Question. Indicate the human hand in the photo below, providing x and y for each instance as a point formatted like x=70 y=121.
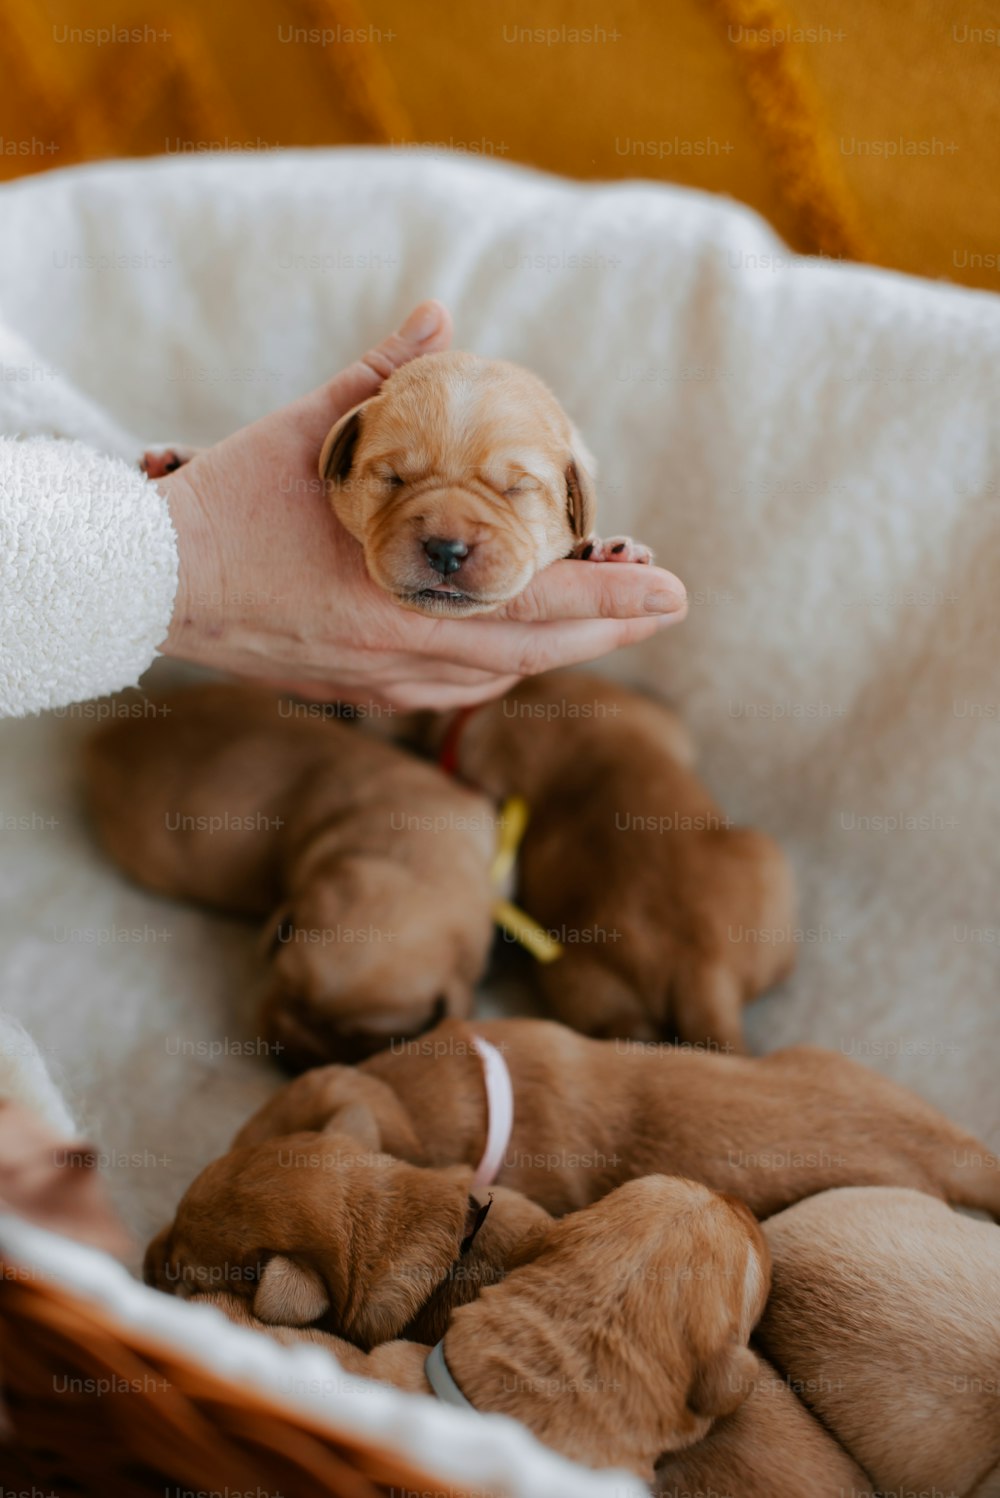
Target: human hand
x=55 y=1182
x=271 y=585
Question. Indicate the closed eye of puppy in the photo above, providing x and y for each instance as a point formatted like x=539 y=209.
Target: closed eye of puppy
x=462 y=478
x=620 y=1335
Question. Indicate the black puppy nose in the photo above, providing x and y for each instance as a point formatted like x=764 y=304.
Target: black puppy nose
x=445 y=556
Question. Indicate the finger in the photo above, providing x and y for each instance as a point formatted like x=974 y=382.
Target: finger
x=513 y=649
x=426 y=330
x=550 y=645
x=580 y=590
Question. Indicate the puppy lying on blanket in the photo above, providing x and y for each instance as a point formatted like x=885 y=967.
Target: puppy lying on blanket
x=361 y=1242
x=622 y=1334
x=372 y=868
x=671 y=918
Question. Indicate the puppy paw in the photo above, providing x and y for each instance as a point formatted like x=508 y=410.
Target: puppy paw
x=614 y=549
x=158 y=465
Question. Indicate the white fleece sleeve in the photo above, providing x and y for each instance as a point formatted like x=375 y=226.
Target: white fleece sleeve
x=88 y=573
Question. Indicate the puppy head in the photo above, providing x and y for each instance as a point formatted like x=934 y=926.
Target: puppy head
x=316 y=1229
x=630 y=1326
x=368 y=954
x=503 y=1228
x=461 y=478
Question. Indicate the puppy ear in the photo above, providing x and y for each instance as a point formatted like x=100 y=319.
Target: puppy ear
x=289 y=1294
x=581 y=498
x=358 y=1120
x=723 y=1381
x=322 y=1099
x=337 y=453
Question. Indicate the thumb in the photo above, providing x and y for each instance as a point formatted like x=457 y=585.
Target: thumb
x=426 y=331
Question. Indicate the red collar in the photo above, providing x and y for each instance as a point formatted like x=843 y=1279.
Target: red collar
x=448 y=756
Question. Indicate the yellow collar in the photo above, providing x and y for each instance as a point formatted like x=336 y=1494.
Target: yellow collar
x=516 y=922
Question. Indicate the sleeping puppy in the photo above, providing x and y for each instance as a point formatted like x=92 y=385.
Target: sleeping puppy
x=373 y=870
x=670 y=918
x=349 y=1232
x=621 y=1335
x=886 y=1313
x=319 y=1228
x=462 y=478
x=589 y=1115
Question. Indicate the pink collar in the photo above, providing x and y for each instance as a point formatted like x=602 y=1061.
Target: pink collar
x=499 y=1113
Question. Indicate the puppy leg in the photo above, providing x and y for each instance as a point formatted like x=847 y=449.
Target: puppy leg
x=614 y=549
x=156 y=465
x=707 y=1006
x=583 y=992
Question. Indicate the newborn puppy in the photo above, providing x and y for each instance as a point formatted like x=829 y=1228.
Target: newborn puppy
x=626 y=1335
x=372 y=868
x=462 y=478
x=670 y=918
x=587 y=1116
x=886 y=1314
x=623 y=1336
x=321 y=1229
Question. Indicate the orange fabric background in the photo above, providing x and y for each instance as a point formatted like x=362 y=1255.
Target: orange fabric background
x=870 y=135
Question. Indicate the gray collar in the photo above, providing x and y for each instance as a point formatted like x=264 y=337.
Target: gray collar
x=440 y=1379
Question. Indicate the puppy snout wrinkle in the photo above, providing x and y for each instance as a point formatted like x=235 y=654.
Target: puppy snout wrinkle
x=445 y=555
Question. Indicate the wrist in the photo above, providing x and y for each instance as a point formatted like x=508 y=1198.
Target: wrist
x=196 y=552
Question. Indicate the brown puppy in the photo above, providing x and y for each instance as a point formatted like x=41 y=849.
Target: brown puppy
x=588 y=1116
x=639 y=1308
x=623 y=1337
x=886 y=1314
x=670 y=918
x=315 y=1228
x=372 y=868
x=462 y=478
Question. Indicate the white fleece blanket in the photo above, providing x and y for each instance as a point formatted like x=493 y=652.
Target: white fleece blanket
x=811 y=446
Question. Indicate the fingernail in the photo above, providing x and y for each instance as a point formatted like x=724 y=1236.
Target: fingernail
x=663 y=602
x=422 y=323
